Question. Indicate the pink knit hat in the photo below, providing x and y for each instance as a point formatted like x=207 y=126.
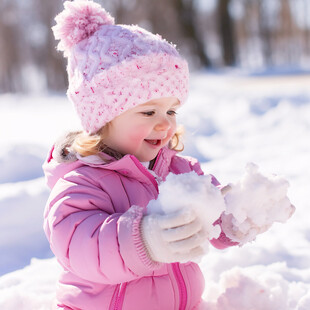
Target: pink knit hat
x=113 y=68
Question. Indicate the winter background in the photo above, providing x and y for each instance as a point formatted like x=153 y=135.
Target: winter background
x=260 y=114
x=231 y=118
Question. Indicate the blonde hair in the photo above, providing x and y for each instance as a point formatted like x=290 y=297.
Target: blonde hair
x=92 y=144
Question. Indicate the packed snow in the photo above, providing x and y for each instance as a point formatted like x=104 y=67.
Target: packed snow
x=254 y=203
x=242 y=221
x=230 y=119
x=191 y=191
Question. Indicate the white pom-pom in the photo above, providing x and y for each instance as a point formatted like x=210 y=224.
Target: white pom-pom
x=78 y=21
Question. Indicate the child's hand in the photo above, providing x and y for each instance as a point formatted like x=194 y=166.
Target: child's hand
x=254 y=204
x=174 y=237
x=191 y=191
x=242 y=233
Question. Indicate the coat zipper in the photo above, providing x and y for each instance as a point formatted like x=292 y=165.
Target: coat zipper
x=118 y=297
x=144 y=171
x=181 y=285
x=156 y=160
x=175 y=266
x=177 y=272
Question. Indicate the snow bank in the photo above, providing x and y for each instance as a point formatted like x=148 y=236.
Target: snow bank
x=22 y=236
x=259 y=288
x=228 y=123
x=31 y=288
x=191 y=191
x=21 y=162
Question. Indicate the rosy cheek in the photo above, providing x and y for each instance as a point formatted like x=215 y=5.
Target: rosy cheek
x=137 y=135
x=172 y=131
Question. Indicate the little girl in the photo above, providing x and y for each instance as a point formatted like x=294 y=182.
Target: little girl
x=126 y=85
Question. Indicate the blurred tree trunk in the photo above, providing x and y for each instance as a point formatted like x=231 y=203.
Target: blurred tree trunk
x=119 y=11
x=251 y=28
x=265 y=32
x=186 y=17
x=226 y=33
x=307 y=30
x=10 y=61
x=287 y=31
x=175 y=20
x=47 y=58
x=28 y=48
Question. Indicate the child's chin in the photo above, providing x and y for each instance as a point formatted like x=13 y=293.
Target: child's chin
x=146 y=158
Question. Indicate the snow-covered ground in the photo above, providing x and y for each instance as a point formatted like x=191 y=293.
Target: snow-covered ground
x=230 y=119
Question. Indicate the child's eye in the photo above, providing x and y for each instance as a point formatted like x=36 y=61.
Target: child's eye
x=172 y=112
x=148 y=113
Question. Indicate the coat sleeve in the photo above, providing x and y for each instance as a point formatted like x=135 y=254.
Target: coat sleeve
x=222 y=242
x=89 y=238
x=185 y=164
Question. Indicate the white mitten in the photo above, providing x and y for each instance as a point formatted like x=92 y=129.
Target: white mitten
x=190 y=191
x=242 y=232
x=174 y=237
x=253 y=204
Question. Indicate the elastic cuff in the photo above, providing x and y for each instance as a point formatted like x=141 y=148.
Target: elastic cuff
x=222 y=242
x=140 y=244
x=132 y=246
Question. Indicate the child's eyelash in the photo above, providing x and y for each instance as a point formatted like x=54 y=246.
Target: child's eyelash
x=150 y=113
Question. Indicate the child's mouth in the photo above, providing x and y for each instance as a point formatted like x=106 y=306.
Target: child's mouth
x=153 y=142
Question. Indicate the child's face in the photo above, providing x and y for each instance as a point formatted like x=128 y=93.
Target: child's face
x=142 y=131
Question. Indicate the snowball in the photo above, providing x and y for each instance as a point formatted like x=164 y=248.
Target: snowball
x=254 y=203
x=190 y=190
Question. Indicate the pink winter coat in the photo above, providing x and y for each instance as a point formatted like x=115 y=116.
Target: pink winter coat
x=92 y=221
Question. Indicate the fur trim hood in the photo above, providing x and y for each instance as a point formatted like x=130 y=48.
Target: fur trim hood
x=63 y=151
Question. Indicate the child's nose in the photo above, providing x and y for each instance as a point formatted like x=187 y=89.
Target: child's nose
x=162 y=124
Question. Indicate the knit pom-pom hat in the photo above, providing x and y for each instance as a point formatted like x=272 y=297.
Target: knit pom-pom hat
x=113 y=68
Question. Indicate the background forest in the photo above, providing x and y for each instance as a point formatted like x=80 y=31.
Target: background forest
x=252 y=34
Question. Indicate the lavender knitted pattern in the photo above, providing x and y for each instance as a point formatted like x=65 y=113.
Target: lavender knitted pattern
x=113 y=68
